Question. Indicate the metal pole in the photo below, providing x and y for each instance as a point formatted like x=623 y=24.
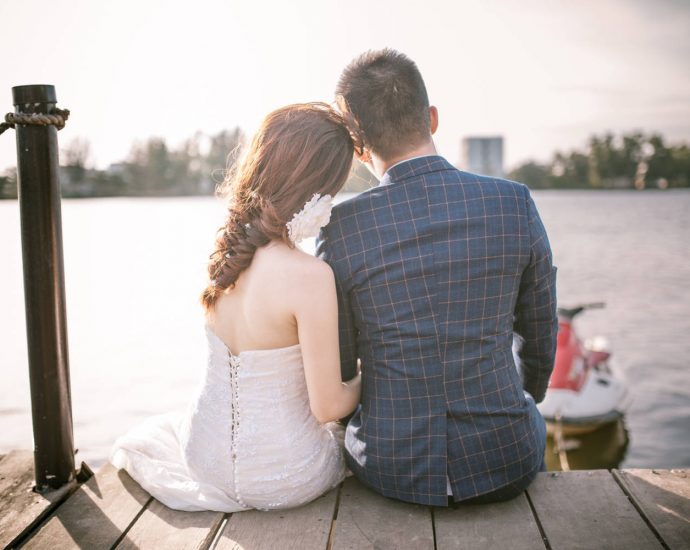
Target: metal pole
x=44 y=289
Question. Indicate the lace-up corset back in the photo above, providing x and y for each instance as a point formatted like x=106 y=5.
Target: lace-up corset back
x=251 y=431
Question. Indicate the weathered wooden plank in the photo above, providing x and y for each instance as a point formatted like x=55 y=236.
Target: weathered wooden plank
x=96 y=515
x=664 y=498
x=508 y=524
x=20 y=508
x=587 y=509
x=368 y=520
x=303 y=528
x=162 y=527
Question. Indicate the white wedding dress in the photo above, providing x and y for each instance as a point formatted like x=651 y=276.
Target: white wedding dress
x=248 y=439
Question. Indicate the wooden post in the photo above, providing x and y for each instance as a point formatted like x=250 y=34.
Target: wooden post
x=44 y=289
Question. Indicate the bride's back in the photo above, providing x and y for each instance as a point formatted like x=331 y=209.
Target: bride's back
x=258 y=313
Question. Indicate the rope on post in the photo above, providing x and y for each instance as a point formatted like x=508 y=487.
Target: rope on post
x=56 y=119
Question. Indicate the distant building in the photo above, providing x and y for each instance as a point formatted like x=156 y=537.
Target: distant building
x=482 y=155
x=118 y=168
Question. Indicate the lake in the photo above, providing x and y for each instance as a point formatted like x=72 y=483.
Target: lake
x=135 y=268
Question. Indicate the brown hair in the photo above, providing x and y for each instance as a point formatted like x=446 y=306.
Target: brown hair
x=298 y=151
x=384 y=92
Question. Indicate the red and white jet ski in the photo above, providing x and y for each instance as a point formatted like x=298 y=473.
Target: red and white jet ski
x=583 y=393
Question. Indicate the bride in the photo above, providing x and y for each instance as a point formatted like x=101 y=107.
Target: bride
x=258 y=433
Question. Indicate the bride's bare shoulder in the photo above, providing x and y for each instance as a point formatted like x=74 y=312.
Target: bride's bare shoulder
x=296 y=268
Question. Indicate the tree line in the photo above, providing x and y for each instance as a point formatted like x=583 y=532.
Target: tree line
x=632 y=160
x=153 y=168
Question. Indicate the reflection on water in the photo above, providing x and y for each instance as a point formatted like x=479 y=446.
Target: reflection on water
x=604 y=447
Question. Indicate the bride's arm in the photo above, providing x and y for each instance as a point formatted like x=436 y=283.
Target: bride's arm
x=316 y=312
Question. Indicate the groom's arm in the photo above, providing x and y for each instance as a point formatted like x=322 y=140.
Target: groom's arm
x=346 y=327
x=536 y=320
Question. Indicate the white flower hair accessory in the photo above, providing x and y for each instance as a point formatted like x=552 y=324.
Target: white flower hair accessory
x=313 y=216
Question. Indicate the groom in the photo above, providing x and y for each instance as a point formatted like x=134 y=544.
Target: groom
x=436 y=269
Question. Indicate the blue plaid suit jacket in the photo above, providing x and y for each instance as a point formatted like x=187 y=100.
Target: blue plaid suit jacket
x=435 y=270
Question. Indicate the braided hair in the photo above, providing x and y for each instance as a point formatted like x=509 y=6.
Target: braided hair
x=298 y=151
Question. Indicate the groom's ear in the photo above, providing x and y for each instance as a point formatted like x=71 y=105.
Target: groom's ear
x=433 y=119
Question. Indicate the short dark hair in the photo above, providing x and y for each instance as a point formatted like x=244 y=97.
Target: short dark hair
x=385 y=93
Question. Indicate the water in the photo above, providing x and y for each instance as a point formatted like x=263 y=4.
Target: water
x=135 y=267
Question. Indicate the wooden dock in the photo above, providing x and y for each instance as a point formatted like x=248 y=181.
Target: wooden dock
x=597 y=509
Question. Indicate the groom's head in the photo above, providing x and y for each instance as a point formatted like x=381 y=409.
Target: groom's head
x=385 y=94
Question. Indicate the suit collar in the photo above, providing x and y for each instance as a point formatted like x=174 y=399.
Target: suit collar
x=415 y=167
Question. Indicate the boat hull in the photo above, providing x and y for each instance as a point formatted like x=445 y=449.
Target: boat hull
x=601 y=400
x=578 y=426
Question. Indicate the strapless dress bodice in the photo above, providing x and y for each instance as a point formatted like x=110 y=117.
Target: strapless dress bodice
x=247 y=440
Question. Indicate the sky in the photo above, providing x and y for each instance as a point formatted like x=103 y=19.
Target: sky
x=545 y=74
